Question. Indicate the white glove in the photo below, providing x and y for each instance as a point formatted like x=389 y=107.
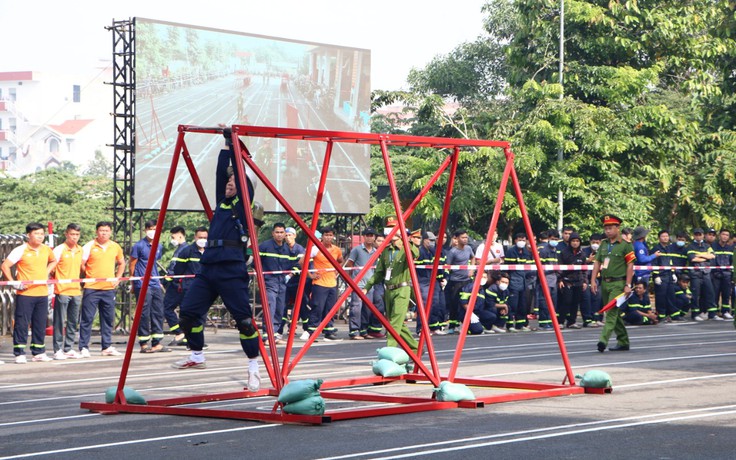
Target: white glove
x=474 y=318
x=657 y=280
x=674 y=278
x=443 y=283
x=287 y=278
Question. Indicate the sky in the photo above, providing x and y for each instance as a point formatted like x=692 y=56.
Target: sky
x=401 y=34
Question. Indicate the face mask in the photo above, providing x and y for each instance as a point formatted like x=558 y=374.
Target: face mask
x=174 y=242
x=698 y=240
x=484 y=281
x=432 y=246
x=150 y=234
x=201 y=243
x=521 y=244
x=681 y=243
x=503 y=286
x=553 y=243
x=595 y=246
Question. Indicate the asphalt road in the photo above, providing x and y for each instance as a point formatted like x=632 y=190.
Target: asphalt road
x=672 y=398
x=264 y=103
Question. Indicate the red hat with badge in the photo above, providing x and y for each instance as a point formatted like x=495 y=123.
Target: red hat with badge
x=610 y=219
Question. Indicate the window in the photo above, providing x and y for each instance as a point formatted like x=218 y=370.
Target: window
x=53 y=145
x=11 y=94
x=2 y=156
x=77 y=93
x=12 y=124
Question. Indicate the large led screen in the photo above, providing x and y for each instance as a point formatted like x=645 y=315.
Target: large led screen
x=197 y=76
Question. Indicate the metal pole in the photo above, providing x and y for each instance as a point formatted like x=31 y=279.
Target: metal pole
x=560 y=198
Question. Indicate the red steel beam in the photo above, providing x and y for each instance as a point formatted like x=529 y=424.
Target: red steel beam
x=540 y=271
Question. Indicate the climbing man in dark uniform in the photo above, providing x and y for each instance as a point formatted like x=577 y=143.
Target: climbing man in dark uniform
x=615 y=262
x=224 y=272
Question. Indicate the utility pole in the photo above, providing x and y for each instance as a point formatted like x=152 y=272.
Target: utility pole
x=560 y=198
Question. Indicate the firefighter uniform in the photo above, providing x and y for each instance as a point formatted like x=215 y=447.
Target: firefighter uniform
x=224 y=270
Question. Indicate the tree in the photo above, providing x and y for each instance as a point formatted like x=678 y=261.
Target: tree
x=637 y=118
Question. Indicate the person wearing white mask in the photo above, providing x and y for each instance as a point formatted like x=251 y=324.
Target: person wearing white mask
x=700 y=254
x=188 y=267
x=548 y=255
x=151 y=326
x=495 y=313
x=591 y=302
x=519 y=282
x=173 y=286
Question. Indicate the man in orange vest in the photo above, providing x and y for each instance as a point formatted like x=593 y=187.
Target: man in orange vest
x=34 y=261
x=68 y=295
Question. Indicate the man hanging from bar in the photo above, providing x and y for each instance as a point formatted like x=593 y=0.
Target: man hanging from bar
x=224 y=271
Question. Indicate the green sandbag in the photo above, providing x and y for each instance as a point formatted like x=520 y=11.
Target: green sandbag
x=310 y=406
x=299 y=389
x=131 y=396
x=388 y=368
x=394 y=354
x=595 y=379
x=449 y=391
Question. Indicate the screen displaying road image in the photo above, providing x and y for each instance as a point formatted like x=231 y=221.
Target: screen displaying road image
x=196 y=76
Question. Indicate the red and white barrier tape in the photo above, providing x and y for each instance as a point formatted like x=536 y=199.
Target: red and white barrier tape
x=505 y=267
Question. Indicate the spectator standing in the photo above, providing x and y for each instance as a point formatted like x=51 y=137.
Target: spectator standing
x=324 y=285
x=700 y=254
x=722 y=285
x=360 y=314
x=101 y=258
x=591 y=303
x=519 y=282
x=68 y=294
x=33 y=261
x=461 y=254
x=427 y=252
x=174 y=292
x=572 y=282
x=495 y=254
x=151 y=325
x=188 y=267
x=549 y=255
x=275 y=260
x=664 y=279
x=642 y=254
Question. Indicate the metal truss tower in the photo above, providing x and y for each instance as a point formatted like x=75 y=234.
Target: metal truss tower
x=123 y=52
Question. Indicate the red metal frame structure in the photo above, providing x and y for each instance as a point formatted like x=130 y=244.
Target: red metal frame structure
x=278 y=368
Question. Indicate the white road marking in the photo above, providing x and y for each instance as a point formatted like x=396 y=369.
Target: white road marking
x=138 y=441
x=636 y=420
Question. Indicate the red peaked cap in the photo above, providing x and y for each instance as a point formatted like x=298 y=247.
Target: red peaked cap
x=610 y=219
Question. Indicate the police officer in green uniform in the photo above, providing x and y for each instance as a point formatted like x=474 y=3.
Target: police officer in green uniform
x=393 y=270
x=615 y=262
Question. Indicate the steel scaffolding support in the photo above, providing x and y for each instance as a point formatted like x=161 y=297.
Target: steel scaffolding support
x=279 y=368
x=123 y=84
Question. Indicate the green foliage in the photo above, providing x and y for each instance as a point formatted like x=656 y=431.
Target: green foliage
x=644 y=118
x=55 y=195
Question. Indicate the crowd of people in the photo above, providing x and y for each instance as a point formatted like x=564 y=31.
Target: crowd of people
x=691 y=278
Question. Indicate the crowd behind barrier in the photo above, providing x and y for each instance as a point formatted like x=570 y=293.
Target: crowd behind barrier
x=707 y=293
